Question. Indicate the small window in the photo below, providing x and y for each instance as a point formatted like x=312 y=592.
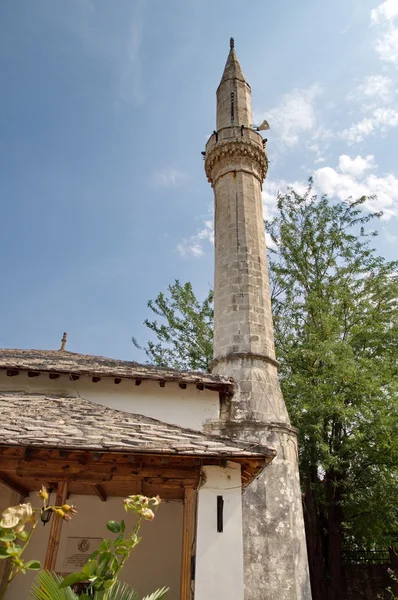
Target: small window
x=232 y=106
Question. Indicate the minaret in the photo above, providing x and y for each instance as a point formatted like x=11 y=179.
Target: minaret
x=236 y=164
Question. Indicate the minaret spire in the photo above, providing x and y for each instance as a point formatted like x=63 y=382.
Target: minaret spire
x=236 y=165
x=233 y=94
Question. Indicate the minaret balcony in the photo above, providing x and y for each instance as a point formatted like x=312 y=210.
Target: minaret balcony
x=235 y=148
x=234 y=131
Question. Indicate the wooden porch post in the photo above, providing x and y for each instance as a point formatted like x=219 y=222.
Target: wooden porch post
x=188 y=536
x=56 y=527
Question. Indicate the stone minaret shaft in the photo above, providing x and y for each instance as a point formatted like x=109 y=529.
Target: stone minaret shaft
x=236 y=165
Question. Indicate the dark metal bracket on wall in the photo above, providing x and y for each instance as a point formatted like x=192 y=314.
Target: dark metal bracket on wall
x=220 y=514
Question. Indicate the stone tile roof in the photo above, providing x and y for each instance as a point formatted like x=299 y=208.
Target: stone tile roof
x=73 y=423
x=62 y=361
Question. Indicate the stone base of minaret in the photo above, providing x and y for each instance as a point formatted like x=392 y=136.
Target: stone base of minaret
x=275 y=551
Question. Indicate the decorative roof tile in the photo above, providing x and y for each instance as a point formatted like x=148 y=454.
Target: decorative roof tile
x=62 y=361
x=73 y=423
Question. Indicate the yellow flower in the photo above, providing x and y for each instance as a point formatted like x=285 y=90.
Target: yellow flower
x=43 y=494
x=69 y=508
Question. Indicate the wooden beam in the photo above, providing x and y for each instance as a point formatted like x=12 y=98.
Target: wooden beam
x=99 y=490
x=117 y=380
x=96 y=379
x=74 y=377
x=200 y=386
x=12 y=372
x=54 y=375
x=183 y=386
x=162 y=383
x=96 y=472
x=138 y=381
x=33 y=373
x=188 y=536
x=56 y=527
x=15 y=486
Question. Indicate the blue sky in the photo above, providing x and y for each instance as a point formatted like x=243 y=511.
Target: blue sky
x=104 y=110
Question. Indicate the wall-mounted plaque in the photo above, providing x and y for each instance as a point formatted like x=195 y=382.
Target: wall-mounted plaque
x=77 y=553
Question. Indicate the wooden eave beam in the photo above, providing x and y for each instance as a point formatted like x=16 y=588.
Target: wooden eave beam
x=15 y=486
x=12 y=372
x=99 y=490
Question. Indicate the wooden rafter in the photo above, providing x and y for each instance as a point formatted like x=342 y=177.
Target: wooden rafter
x=16 y=486
x=99 y=490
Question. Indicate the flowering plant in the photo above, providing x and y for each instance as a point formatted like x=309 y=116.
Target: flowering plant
x=17 y=524
x=106 y=563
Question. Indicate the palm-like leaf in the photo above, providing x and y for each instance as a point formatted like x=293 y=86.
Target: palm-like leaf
x=46 y=587
x=157 y=595
x=122 y=591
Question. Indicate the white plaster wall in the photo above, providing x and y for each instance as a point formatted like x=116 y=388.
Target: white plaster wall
x=156 y=562
x=219 y=556
x=186 y=408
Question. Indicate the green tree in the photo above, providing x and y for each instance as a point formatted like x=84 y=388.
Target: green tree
x=336 y=328
x=184 y=337
x=336 y=331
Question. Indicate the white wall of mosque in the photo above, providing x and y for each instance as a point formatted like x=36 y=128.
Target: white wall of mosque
x=188 y=407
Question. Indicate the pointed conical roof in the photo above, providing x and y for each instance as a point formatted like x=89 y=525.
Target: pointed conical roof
x=232 y=70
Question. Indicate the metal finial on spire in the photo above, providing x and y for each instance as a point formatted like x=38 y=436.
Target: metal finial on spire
x=232 y=43
x=63 y=341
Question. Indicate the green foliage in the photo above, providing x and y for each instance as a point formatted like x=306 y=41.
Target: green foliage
x=17 y=524
x=335 y=305
x=185 y=334
x=47 y=587
x=105 y=564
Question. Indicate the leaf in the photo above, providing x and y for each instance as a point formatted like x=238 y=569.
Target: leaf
x=7 y=537
x=122 y=526
x=47 y=587
x=113 y=526
x=122 y=591
x=105 y=545
x=89 y=568
x=157 y=595
x=33 y=565
x=71 y=579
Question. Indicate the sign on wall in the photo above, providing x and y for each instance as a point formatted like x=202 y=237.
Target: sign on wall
x=77 y=553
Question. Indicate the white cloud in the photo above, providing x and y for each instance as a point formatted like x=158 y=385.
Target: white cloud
x=356 y=166
x=386 y=11
x=169 y=177
x=353 y=181
x=294 y=116
x=380 y=121
x=194 y=245
x=374 y=87
x=387 y=46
